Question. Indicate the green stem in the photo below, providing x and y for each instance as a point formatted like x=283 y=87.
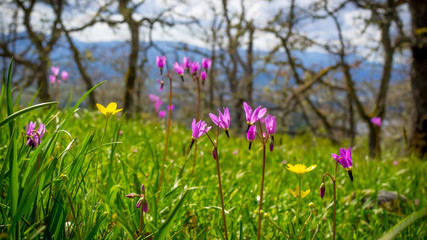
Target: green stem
x=99 y=153
x=141 y=221
x=299 y=198
x=262 y=191
x=167 y=138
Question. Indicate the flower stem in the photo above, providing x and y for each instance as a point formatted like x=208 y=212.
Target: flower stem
x=167 y=138
x=97 y=157
x=141 y=221
x=299 y=198
x=335 y=201
x=57 y=91
x=197 y=119
x=262 y=191
x=220 y=193
x=335 y=209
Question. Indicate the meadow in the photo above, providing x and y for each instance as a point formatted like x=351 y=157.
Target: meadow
x=73 y=185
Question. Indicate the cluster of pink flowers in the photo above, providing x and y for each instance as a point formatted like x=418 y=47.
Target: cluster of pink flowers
x=193 y=68
x=157 y=103
x=54 y=77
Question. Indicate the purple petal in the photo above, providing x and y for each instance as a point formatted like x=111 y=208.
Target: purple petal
x=336 y=157
x=262 y=112
x=248 y=111
x=214 y=118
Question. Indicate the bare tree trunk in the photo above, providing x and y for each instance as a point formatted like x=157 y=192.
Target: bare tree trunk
x=42 y=78
x=418 y=139
x=133 y=57
x=249 y=67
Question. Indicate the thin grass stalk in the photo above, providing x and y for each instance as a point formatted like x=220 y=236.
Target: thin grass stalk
x=302 y=229
x=262 y=191
x=167 y=138
x=74 y=214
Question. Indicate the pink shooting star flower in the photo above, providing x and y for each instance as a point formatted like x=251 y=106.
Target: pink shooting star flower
x=158 y=104
x=222 y=120
x=161 y=62
x=142 y=199
x=206 y=63
x=251 y=135
x=64 y=75
x=162 y=84
x=162 y=114
x=203 y=77
x=35 y=137
x=55 y=70
x=171 y=107
x=199 y=129
x=52 y=79
x=186 y=62
x=153 y=98
x=194 y=68
x=253 y=116
x=179 y=68
x=270 y=125
x=376 y=121
x=345 y=160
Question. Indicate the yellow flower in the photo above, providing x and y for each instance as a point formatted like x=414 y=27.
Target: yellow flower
x=300 y=168
x=110 y=110
x=299 y=194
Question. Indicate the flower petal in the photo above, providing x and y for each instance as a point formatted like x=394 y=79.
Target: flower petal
x=214 y=118
x=111 y=107
x=102 y=109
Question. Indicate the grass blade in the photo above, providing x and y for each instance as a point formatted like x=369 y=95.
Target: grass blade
x=25 y=110
x=404 y=223
x=164 y=229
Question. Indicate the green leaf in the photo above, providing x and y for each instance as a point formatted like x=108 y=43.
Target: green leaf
x=404 y=224
x=164 y=229
x=25 y=110
x=98 y=223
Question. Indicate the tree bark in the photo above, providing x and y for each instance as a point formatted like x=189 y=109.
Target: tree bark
x=418 y=139
x=133 y=57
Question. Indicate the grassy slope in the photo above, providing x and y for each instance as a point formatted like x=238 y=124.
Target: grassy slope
x=135 y=161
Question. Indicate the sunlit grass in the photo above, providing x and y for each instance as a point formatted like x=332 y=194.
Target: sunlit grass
x=47 y=196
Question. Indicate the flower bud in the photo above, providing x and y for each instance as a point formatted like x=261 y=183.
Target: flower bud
x=271 y=145
x=131 y=195
x=214 y=153
x=63 y=177
x=311 y=205
x=143 y=189
x=322 y=190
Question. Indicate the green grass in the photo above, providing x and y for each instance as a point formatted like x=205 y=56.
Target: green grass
x=38 y=203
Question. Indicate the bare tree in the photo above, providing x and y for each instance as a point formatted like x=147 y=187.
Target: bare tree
x=419 y=76
x=43 y=42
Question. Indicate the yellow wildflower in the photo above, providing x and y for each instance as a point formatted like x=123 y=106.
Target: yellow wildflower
x=299 y=194
x=110 y=110
x=300 y=168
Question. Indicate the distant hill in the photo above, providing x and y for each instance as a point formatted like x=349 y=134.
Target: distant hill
x=109 y=59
